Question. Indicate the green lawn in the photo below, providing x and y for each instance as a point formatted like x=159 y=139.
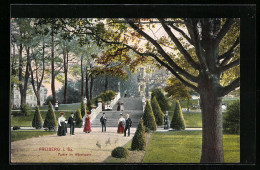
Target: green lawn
x=25 y=134
x=185 y=147
x=62 y=107
x=192 y=119
x=27 y=120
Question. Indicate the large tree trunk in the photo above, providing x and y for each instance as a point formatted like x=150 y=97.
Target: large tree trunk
x=20 y=74
x=52 y=69
x=87 y=79
x=65 y=58
x=26 y=77
x=39 y=82
x=212 y=144
x=91 y=86
x=82 y=78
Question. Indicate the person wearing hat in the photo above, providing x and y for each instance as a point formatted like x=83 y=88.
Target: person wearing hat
x=166 y=121
x=128 y=124
x=103 y=121
x=71 y=122
x=86 y=123
x=62 y=125
x=121 y=124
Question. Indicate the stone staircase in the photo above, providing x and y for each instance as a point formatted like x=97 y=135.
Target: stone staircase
x=132 y=106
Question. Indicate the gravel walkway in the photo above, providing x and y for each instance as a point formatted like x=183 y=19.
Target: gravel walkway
x=82 y=147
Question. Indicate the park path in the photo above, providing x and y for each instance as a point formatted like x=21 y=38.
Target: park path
x=79 y=148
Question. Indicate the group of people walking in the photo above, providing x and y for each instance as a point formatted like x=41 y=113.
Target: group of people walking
x=124 y=124
x=62 y=124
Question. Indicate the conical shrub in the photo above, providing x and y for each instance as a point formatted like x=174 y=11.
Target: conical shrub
x=82 y=108
x=158 y=114
x=139 y=141
x=148 y=117
x=37 y=119
x=78 y=118
x=50 y=121
x=178 y=122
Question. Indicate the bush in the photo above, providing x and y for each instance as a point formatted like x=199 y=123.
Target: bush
x=148 y=117
x=161 y=99
x=78 y=118
x=50 y=121
x=158 y=114
x=37 y=119
x=231 y=123
x=17 y=113
x=120 y=152
x=105 y=97
x=16 y=128
x=178 y=122
x=49 y=99
x=139 y=142
x=25 y=109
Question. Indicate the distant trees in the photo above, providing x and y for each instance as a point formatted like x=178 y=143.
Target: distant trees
x=231 y=123
x=162 y=100
x=177 y=90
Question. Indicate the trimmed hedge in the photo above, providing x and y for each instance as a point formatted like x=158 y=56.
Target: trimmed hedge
x=119 y=152
x=178 y=122
x=148 y=117
x=139 y=141
x=78 y=118
x=161 y=99
x=37 y=119
x=50 y=121
x=158 y=114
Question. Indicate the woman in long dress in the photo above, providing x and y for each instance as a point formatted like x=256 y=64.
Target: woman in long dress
x=118 y=106
x=121 y=124
x=62 y=129
x=86 y=123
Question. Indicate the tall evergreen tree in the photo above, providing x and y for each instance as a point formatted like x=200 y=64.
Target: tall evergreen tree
x=178 y=122
x=50 y=121
x=78 y=118
x=148 y=117
x=139 y=141
x=161 y=99
x=37 y=119
x=158 y=114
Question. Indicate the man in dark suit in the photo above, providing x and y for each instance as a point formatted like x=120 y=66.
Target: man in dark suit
x=128 y=124
x=71 y=122
x=103 y=121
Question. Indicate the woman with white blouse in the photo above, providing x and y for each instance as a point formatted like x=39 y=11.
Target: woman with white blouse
x=62 y=129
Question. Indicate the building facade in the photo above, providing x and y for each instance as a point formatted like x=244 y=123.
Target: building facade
x=31 y=99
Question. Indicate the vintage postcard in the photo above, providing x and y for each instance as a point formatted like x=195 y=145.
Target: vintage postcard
x=124 y=88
